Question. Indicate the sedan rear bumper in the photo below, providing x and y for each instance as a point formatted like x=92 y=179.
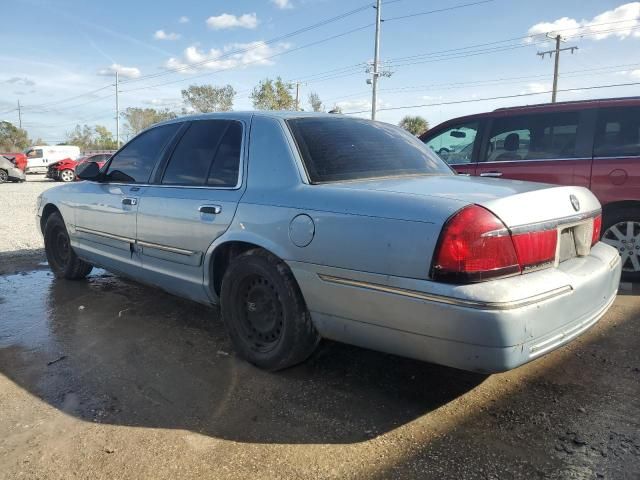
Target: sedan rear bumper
x=488 y=327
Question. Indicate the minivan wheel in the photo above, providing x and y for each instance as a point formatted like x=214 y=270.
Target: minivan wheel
x=264 y=312
x=4 y=176
x=62 y=259
x=621 y=230
x=67 y=175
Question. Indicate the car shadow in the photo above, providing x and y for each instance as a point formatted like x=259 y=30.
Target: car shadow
x=112 y=351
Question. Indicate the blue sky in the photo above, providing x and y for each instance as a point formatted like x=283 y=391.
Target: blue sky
x=59 y=49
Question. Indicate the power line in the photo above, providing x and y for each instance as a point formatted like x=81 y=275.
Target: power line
x=502 y=97
x=439 y=10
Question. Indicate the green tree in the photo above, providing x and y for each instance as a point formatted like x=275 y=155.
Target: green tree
x=86 y=137
x=137 y=119
x=12 y=137
x=416 y=125
x=315 y=102
x=209 y=98
x=104 y=139
x=273 y=95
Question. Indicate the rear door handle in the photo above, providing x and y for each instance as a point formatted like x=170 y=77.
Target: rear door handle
x=491 y=174
x=129 y=201
x=210 y=209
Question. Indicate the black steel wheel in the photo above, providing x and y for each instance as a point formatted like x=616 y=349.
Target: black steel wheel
x=264 y=312
x=62 y=259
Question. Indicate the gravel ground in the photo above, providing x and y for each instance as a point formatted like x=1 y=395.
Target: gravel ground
x=18 y=233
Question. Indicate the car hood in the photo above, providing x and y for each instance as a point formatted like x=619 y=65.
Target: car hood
x=515 y=202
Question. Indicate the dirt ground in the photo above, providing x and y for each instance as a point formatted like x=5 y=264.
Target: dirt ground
x=106 y=378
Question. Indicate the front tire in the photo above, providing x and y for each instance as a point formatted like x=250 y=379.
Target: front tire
x=265 y=313
x=62 y=259
x=4 y=176
x=621 y=230
x=67 y=175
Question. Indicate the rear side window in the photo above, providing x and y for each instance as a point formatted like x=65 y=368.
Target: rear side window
x=533 y=137
x=207 y=154
x=134 y=163
x=617 y=133
x=455 y=144
x=34 y=153
x=338 y=148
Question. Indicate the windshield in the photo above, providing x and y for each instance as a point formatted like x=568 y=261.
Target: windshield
x=339 y=148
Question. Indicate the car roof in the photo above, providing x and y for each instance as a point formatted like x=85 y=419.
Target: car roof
x=248 y=114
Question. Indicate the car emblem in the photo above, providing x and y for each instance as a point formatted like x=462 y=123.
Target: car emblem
x=575 y=202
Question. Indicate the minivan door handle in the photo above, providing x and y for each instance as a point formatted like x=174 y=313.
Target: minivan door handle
x=129 y=201
x=491 y=174
x=210 y=209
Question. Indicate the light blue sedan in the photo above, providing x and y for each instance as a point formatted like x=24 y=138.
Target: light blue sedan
x=308 y=226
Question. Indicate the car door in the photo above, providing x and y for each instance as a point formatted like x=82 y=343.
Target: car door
x=456 y=145
x=541 y=147
x=105 y=212
x=192 y=202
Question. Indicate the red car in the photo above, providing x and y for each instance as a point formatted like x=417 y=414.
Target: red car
x=19 y=159
x=65 y=170
x=591 y=143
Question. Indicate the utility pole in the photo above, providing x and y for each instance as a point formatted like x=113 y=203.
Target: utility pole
x=117 y=113
x=19 y=115
x=556 y=66
x=297 y=96
x=376 y=63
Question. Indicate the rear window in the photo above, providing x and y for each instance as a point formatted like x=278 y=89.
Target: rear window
x=335 y=149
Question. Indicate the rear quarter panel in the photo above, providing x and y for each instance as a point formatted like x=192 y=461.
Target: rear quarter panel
x=616 y=179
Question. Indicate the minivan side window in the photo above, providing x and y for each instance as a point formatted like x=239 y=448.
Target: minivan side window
x=617 y=132
x=135 y=162
x=34 y=153
x=207 y=154
x=455 y=144
x=533 y=137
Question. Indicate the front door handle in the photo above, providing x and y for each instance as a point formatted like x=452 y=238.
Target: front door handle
x=491 y=174
x=210 y=209
x=129 y=201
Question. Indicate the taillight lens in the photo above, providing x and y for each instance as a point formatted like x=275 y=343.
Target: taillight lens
x=474 y=245
x=597 y=230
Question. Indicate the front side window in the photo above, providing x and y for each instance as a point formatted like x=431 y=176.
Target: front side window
x=617 y=132
x=135 y=162
x=207 y=154
x=337 y=148
x=533 y=137
x=34 y=153
x=455 y=144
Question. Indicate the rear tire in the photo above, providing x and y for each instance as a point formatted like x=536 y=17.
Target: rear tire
x=67 y=175
x=265 y=313
x=621 y=230
x=4 y=176
x=62 y=259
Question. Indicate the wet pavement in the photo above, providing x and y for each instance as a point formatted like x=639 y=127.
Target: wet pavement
x=106 y=378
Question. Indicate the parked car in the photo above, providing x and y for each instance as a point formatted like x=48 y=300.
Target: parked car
x=306 y=226
x=18 y=159
x=65 y=170
x=591 y=143
x=9 y=172
x=39 y=157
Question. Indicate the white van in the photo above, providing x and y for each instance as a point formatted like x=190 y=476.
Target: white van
x=39 y=157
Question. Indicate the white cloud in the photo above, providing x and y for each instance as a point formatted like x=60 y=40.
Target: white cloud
x=282 y=4
x=125 y=72
x=361 y=104
x=253 y=53
x=162 y=35
x=226 y=20
x=633 y=73
x=536 y=87
x=163 y=102
x=21 y=81
x=618 y=22
x=183 y=19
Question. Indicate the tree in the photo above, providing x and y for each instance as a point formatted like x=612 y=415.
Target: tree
x=315 y=102
x=137 y=119
x=12 y=137
x=273 y=95
x=91 y=138
x=415 y=125
x=209 y=98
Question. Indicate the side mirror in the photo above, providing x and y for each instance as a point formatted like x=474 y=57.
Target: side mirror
x=458 y=134
x=88 y=171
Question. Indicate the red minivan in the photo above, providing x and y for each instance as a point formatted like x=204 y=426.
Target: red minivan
x=591 y=143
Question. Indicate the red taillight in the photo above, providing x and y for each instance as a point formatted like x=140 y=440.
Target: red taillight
x=474 y=245
x=535 y=248
x=597 y=230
